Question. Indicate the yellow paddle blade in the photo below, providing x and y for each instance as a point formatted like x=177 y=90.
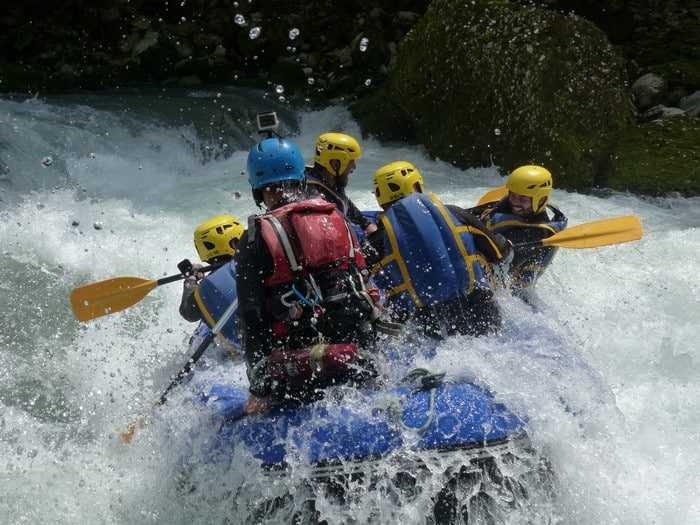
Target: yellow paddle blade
x=598 y=233
x=493 y=195
x=109 y=296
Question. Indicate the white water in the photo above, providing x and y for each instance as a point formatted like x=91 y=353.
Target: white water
x=130 y=177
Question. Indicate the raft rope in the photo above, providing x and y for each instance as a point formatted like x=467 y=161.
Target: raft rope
x=428 y=380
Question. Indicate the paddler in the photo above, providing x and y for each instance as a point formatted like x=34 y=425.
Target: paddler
x=305 y=312
x=335 y=156
x=215 y=241
x=432 y=260
x=525 y=215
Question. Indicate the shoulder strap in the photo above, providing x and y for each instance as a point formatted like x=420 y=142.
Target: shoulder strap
x=286 y=244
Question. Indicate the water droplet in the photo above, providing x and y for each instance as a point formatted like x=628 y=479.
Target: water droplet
x=311 y=81
x=368 y=82
x=497 y=132
x=239 y=19
x=293 y=33
x=47 y=161
x=364 y=43
x=279 y=89
x=254 y=33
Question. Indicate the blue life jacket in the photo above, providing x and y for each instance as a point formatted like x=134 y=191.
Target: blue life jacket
x=527 y=264
x=214 y=294
x=340 y=199
x=429 y=256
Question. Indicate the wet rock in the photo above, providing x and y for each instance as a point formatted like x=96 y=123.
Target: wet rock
x=649 y=90
x=691 y=104
x=551 y=84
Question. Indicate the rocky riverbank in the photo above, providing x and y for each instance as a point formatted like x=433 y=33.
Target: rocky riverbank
x=605 y=93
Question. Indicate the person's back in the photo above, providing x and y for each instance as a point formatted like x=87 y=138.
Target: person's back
x=523 y=216
x=426 y=259
x=300 y=283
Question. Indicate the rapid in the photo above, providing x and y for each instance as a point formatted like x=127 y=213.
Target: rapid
x=94 y=186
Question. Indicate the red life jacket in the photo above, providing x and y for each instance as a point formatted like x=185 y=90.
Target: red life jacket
x=315 y=253
x=305 y=238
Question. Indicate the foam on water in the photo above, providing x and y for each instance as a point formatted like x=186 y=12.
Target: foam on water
x=122 y=196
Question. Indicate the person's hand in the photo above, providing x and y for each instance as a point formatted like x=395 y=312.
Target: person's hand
x=256 y=405
x=195 y=273
x=370 y=229
x=508 y=256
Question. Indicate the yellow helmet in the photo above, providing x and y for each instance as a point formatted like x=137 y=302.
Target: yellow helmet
x=532 y=181
x=212 y=238
x=336 y=146
x=396 y=180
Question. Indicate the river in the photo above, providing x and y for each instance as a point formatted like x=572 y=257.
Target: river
x=94 y=186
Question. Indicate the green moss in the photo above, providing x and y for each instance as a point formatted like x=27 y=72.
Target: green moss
x=493 y=82
x=659 y=158
x=673 y=55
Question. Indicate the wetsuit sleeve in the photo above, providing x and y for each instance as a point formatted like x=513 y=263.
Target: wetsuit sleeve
x=355 y=216
x=189 y=309
x=494 y=247
x=479 y=211
x=485 y=210
x=373 y=246
x=253 y=322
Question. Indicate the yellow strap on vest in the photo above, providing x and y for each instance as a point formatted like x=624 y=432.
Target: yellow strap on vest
x=456 y=230
x=212 y=322
x=406 y=286
x=316 y=357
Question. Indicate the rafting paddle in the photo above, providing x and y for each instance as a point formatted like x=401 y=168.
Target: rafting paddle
x=113 y=295
x=592 y=234
x=185 y=370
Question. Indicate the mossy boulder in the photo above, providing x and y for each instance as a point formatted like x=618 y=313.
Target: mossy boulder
x=494 y=82
x=659 y=158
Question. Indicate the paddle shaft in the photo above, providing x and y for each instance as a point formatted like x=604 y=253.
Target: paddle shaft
x=228 y=313
x=180 y=276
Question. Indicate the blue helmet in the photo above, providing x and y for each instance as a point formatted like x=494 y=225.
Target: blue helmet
x=274 y=160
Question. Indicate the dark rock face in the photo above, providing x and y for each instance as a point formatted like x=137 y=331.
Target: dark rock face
x=498 y=83
x=478 y=82
x=328 y=49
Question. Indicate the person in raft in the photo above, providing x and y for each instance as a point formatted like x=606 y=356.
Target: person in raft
x=305 y=313
x=205 y=298
x=215 y=241
x=334 y=160
x=523 y=216
x=432 y=260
